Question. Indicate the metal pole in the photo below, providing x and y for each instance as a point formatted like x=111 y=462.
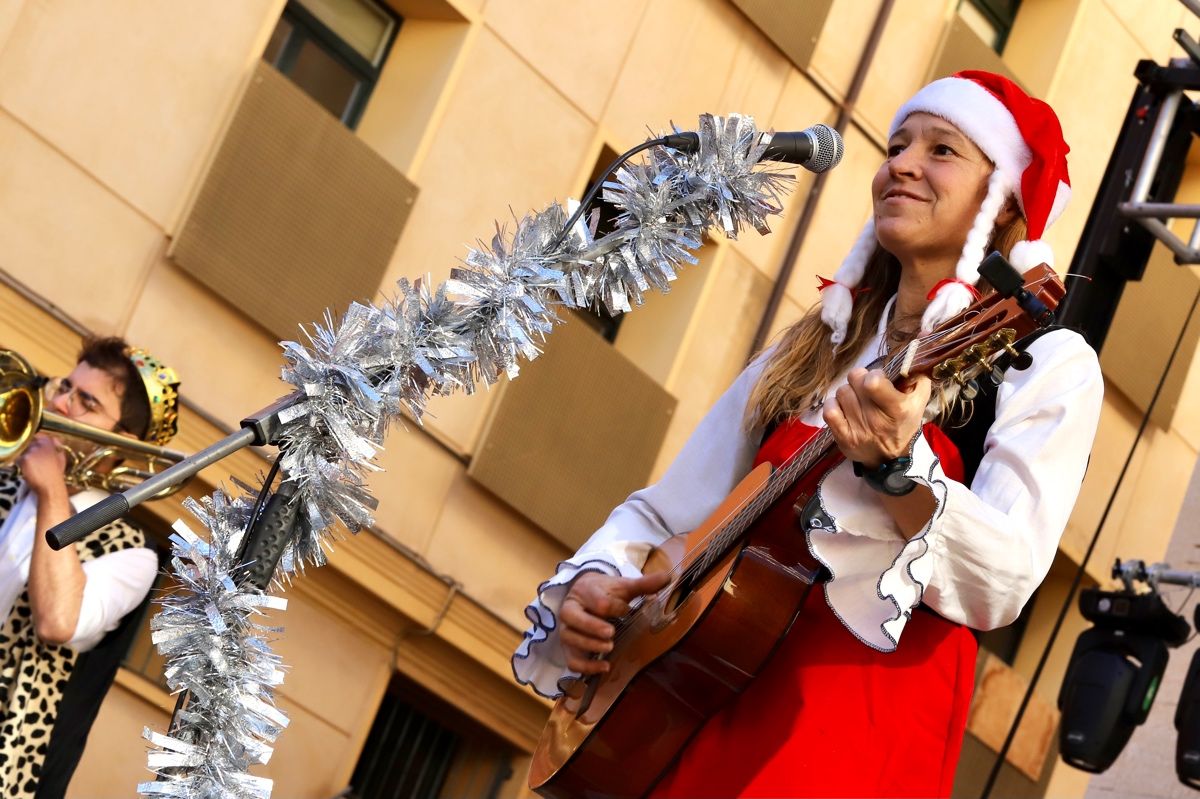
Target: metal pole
x=114 y=507
x=806 y=216
x=1154 y=151
x=261 y=427
x=1183 y=253
x=1160 y=210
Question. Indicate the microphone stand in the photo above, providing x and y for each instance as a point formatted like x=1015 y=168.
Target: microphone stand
x=818 y=148
x=261 y=428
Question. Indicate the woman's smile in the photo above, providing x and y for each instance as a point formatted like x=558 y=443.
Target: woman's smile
x=898 y=196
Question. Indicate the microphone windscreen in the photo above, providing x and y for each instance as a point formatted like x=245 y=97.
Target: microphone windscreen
x=829 y=150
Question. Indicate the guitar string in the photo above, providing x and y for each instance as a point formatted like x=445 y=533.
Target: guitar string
x=738 y=519
x=715 y=543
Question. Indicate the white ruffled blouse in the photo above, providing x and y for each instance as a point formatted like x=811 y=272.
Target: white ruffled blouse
x=977 y=561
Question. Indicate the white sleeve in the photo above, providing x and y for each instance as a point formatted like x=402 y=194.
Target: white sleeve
x=717 y=455
x=986 y=548
x=116 y=584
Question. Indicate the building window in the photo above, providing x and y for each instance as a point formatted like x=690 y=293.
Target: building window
x=421 y=748
x=991 y=19
x=333 y=50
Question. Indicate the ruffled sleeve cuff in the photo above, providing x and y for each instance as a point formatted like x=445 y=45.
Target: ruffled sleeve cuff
x=539 y=661
x=877 y=576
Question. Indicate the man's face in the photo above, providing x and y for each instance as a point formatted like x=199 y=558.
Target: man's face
x=87 y=395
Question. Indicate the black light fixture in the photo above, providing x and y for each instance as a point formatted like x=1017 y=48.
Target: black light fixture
x=1187 y=723
x=1114 y=674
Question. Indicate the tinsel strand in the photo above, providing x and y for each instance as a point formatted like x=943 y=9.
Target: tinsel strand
x=360 y=374
x=219 y=655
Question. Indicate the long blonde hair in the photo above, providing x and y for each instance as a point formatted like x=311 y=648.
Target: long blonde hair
x=804 y=363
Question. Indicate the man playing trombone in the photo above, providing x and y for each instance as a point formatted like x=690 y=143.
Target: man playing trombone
x=58 y=607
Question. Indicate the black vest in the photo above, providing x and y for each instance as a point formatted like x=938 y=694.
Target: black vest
x=970 y=434
x=86 y=688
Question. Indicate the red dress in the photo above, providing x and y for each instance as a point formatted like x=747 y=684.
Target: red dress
x=829 y=716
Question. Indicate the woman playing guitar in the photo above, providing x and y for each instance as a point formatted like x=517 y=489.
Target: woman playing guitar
x=927 y=530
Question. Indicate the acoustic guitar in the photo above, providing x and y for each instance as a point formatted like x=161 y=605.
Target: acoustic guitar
x=738 y=582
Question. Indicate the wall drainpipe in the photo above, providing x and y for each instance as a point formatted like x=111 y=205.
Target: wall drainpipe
x=845 y=110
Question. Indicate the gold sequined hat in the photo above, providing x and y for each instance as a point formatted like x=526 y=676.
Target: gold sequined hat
x=162 y=393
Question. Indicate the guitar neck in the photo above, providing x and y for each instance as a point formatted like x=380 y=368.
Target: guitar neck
x=959 y=349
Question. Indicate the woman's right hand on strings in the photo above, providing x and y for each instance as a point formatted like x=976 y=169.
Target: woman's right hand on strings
x=586 y=610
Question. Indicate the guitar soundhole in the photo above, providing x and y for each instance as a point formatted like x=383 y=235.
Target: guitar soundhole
x=681 y=593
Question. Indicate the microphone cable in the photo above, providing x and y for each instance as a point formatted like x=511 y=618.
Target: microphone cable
x=599 y=183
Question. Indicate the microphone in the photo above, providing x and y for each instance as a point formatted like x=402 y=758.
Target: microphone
x=817 y=149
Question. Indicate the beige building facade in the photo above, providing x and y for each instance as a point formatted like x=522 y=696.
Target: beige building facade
x=121 y=128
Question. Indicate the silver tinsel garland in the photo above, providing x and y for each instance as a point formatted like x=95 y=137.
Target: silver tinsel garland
x=359 y=375
x=218 y=654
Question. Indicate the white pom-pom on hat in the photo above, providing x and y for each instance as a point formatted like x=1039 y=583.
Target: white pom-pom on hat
x=837 y=295
x=1028 y=254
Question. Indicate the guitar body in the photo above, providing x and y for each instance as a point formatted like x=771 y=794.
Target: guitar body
x=675 y=666
x=738 y=582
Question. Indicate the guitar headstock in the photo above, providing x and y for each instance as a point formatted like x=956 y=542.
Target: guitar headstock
x=964 y=346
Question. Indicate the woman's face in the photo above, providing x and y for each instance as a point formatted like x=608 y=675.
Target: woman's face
x=927 y=193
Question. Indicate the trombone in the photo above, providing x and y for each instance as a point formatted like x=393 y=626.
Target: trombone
x=23 y=415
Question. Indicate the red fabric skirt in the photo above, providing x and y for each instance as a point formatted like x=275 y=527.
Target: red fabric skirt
x=829 y=716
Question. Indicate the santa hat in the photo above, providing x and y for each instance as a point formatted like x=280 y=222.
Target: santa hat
x=1023 y=138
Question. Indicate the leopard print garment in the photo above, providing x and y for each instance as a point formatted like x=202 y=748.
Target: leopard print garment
x=33 y=674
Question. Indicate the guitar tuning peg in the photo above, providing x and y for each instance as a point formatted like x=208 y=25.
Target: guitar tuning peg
x=970 y=390
x=1021 y=360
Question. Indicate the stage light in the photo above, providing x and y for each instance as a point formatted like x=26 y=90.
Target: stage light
x=1187 y=722
x=1114 y=674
